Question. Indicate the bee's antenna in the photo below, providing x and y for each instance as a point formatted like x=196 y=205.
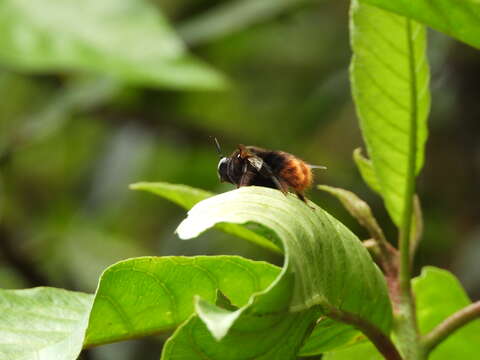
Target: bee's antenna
x=217 y=145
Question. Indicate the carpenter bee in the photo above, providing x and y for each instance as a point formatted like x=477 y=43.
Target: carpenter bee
x=252 y=165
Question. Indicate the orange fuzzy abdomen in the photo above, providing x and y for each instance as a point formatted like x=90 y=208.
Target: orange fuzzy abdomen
x=297 y=174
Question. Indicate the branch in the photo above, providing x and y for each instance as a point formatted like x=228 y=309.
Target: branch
x=417 y=228
x=407 y=329
x=381 y=341
x=451 y=324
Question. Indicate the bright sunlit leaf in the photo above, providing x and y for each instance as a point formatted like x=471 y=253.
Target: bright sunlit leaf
x=42 y=323
x=457 y=18
x=390 y=82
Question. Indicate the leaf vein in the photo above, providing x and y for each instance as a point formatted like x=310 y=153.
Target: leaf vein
x=383 y=91
x=119 y=310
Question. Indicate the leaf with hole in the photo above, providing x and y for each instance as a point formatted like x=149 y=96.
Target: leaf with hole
x=326 y=270
x=146 y=296
x=135 y=298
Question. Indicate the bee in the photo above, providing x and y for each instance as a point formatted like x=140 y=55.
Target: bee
x=252 y=165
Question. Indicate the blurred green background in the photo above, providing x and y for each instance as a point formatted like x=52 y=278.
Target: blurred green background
x=74 y=133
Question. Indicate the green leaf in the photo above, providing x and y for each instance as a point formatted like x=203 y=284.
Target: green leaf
x=358 y=208
x=390 y=83
x=186 y=197
x=269 y=337
x=146 y=296
x=328 y=335
x=42 y=323
x=326 y=270
x=457 y=18
x=364 y=351
x=366 y=170
x=127 y=39
x=182 y=195
x=439 y=294
x=136 y=297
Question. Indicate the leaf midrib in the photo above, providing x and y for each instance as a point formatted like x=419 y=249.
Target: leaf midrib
x=412 y=147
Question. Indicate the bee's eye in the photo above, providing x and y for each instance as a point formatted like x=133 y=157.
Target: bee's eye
x=222 y=169
x=222 y=164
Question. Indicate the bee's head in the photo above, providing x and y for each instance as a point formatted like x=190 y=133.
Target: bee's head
x=222 y=169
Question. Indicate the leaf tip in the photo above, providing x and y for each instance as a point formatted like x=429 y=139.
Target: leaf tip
x=189 y=229
x=137 y=186
x=217 y=320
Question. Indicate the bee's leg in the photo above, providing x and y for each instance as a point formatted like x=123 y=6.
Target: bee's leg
x=279 y=184
x=302 y=197
x=247 y=177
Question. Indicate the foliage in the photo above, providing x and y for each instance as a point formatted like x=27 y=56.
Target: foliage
x=438 y=295
x=455 y=18
x=330 y=296
x=111 y=37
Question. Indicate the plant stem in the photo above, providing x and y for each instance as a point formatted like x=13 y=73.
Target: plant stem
x=407 y=327
x=451 y=324
x=381 y=341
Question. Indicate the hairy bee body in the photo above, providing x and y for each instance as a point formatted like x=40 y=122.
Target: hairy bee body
x=252 y=165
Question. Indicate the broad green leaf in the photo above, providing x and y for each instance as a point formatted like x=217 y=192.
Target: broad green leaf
x=146 y=296
x=136 y=297
x=42 y=323
x=127 y=39
x=186 y=197
x=439 y=294
x=390 y=80
x=326 y=270
x=457 y=18
x=366 y=170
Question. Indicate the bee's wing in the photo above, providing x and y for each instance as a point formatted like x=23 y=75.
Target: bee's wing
x=317 y=167
x=267 y=171
x=256 y=162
